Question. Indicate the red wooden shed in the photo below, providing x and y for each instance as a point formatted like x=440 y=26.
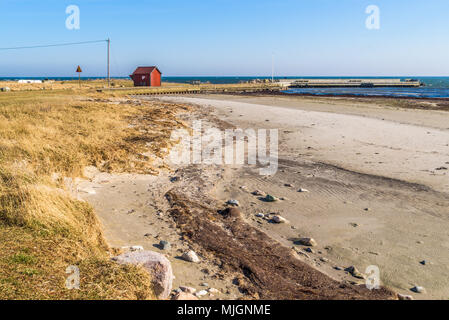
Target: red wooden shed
x=147 y=77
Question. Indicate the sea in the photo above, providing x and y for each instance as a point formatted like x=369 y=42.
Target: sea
x=434 y=87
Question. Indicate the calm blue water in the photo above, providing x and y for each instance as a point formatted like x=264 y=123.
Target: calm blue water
x=435 y=87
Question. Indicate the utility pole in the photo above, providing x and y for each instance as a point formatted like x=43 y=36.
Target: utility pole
x=109 y=54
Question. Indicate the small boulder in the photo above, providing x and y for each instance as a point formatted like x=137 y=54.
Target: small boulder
x=157 y=265
x=5 y=89
x=190 y=256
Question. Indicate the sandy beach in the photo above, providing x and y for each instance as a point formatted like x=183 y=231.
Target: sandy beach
x=377 y=180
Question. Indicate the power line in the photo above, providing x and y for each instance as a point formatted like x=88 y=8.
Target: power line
x=54 y=45
x=108 y=41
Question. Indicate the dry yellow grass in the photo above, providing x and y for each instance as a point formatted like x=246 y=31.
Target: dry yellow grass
x=42 y=229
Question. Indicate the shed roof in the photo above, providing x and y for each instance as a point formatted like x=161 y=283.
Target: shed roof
x=146 y=70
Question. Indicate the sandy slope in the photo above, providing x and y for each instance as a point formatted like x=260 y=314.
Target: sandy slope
x=352 y=157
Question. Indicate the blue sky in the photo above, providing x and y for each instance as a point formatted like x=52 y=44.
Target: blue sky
x=228 y=37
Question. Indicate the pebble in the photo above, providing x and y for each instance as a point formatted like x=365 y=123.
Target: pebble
x=303 y=190
x=187 y=289
x=87 y=190
x=190 y=256
x=164 y=245
x=270 y=198
x=355 y=273
x=201 y=293
x=204 y=284
x=260 y=215
x=424 y=262
x=213 y=290
x=309 y=242
x=309 y=250
x=338 y=268
x=279 y=219
x=183 y=296
x=233 y=202
x=418 y=289
x=258 y=193
x=404 y=297
x=136 y=248
x=289 y=185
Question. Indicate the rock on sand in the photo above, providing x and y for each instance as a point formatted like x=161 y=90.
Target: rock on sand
x=309 y=242
x=190 y=256
x=184 y=296
x=279 y=219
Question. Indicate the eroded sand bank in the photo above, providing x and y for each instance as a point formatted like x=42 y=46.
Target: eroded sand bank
x=376 y=196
